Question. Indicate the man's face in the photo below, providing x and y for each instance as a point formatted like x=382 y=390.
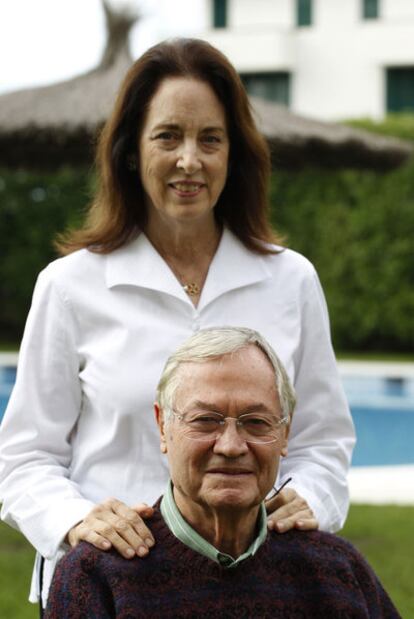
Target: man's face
x=228 y=471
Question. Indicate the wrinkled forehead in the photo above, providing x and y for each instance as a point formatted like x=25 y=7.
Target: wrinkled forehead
x=178 y=98
x=237 y=377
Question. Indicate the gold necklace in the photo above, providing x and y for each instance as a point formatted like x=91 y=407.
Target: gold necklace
x=192 y=289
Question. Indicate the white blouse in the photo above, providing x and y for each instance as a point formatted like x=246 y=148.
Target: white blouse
x=80 y=426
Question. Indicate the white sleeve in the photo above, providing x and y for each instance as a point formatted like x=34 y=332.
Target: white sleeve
x=38 y=497
x=322 y=433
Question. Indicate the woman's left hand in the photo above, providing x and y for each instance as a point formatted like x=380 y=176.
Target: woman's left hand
x=289 y=511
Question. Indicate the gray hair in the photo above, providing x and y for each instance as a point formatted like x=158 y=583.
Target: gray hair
x=216 y=342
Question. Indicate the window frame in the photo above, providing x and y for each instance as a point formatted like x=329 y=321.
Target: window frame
x=370 y=9
x=399 y=87
x=304 y=13
x=284 y=86
x=219 y=13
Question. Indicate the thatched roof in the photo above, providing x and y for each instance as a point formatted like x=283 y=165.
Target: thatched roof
x=297 y=141
x=57 y=124
x=52 y=125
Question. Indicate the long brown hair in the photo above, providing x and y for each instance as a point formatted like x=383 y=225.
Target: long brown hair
x=118 y=212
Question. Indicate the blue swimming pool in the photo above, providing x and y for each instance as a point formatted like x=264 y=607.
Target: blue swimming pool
x=7 y=378
x=382 y=409
x=383 y=413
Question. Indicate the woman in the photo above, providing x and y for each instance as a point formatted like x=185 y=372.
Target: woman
x=176 y=239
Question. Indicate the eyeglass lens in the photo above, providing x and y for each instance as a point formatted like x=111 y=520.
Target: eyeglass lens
x=252 y=428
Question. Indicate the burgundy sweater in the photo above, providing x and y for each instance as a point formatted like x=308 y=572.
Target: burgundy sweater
x=295 y=575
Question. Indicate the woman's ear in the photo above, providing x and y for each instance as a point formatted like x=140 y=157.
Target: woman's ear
x=159 y=417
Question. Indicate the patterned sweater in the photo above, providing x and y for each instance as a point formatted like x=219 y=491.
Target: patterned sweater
x=295 y=575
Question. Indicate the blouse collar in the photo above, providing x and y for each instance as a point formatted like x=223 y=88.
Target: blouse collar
x=139 y=264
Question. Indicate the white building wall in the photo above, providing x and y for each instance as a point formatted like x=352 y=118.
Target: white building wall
x=337 y=13
x=251 y=52
x=251 y=13
x=330 y=81
x=338 y=64
x=398 y=10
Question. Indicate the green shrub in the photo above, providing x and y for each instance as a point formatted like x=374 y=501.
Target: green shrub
x=33 y=207
x=357 y=228
x=395 y=125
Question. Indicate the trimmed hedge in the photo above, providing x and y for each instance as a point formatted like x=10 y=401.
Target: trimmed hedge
x=33 y=208
x=395 y=125
x=356 y=227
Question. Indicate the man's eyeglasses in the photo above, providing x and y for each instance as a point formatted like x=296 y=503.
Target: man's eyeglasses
x=252 y=427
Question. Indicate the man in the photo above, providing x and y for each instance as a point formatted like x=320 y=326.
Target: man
x=224 y=407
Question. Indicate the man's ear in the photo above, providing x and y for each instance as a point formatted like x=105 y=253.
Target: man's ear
x=159 y=417
x=284 y=449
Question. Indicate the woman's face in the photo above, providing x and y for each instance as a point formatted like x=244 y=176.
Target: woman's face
x=183 y=152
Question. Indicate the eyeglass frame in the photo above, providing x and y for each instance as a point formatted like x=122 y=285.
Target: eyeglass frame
x=281 y=421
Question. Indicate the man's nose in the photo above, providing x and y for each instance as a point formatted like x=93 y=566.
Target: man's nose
x=230 y=442
x=189 y=157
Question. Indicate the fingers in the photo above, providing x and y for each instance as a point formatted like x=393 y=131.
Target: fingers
x=82 y=532
x=114 y=524
x=300 y=521
x=131 y=520
x=290 y=511
x=283 y=498
x=144 y=510
x=307 y=524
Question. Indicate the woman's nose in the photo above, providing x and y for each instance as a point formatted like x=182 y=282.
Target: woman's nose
x=188 y=158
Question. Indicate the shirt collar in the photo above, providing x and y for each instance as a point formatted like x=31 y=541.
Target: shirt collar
x=188 y=536
x=139 y=264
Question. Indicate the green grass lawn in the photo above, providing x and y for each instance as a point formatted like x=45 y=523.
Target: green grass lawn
x=384 y=535
x=16 y=561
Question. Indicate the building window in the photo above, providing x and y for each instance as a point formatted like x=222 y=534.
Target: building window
x=370 y=9
x=400 y=89
x=304 y=12
x=219 y=13
x=273 y=86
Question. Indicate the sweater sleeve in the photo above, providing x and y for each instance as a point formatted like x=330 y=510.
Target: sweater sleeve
x=35 y=438
x=322 y=433
x=377 y=600
x=79 y=588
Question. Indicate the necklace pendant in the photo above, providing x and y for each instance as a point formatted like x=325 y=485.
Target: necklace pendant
x=191 y=289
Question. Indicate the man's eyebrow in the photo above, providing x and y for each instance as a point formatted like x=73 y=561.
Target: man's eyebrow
x=258 y=407
x=207 y=406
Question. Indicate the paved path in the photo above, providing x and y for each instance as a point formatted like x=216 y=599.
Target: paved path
x=8 y=358
x=391 y=369
x=380 y=485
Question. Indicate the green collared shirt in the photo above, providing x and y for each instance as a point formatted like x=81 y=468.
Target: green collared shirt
x=188 y=536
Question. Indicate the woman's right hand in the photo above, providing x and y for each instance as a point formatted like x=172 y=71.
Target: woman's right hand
x=114 y=524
